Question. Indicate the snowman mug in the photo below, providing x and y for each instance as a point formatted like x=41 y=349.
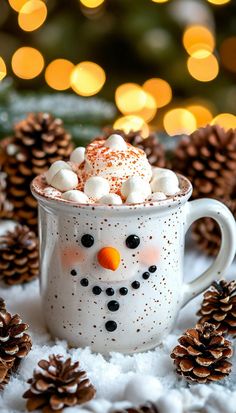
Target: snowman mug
x=112 y=276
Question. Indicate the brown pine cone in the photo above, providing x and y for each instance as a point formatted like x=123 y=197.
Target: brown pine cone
x=206 y=231
x=19 y=257
x=15 y=344
x=151 y=146
x=2 y=304
x=208 y=158
x=202 y=354
x=6 y=207
x=146 y=408
x=39 y=140
x=219 y=307
x=4 y=375
x=59 y=384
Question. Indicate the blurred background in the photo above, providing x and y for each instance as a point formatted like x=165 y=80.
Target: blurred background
x=165 y=65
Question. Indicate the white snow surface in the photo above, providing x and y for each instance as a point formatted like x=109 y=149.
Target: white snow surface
x=120 y=380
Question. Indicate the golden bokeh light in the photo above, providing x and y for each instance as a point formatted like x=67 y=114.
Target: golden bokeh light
x=87 y=78
x=198 y=41
x=91 y=3
x=3 y=69
x=132 y=123
x=17 y=4
x=130 y=98
x=32 y=15
x=219 y=2
x=205 y=69
x=160 y=1
x=160 y=90
x=202 y=114
x=225 y=120
x=58 y=73
x=228 y=53
x=27 y=63
x=179 y=121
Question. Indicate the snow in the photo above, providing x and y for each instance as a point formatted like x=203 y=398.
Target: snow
x=117 y=378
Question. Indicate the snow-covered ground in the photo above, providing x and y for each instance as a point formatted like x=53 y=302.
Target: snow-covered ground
x=120 y=380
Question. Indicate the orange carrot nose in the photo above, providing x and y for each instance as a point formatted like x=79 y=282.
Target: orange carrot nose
x=109 y=258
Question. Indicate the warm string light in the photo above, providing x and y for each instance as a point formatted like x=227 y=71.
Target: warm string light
x=32 y=15
x=205 y=69
x=219 y=2
x=3 y=69
x=87 y=78
x=92 y=3
x=198 y=41
x=132 y=123
x=27 y=63
x=179 y=121
x=225 y=120
x=130 y=98
x=160 y=1
x=160 y=90
x=58 y=73
x=201 y=113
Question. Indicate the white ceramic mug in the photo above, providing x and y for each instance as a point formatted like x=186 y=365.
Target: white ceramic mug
x=133 y=303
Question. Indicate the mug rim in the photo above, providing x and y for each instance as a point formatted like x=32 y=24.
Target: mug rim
x=172 y=201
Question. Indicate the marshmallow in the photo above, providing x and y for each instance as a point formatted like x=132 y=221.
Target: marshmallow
x=64 y=180
x=76 y=196
x=141 y=388
x=136 y=184
x=166 y=184
x=96 y=187
x=112 y=199
x=51 y=192
x=160 y=172
x=54 y=168
x=135 y=198
x=116 y=143
x=77 y=156
x=157 y=196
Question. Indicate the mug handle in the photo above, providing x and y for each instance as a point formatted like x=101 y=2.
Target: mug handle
x=221 y=214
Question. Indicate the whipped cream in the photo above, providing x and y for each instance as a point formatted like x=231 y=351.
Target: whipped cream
x=115 y=165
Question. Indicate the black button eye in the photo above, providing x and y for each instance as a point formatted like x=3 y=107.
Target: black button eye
x=87 y=240
x=132 y=241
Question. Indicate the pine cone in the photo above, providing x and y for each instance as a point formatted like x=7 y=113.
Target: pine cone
x=202 y=354
x=6 y=207
x=15 y=344
x=2 y=305
x=19 y=261
x=208 y=158
x=39 y=140
x=151 y=146
x=4 y=375
x=206 y=231
x=59 y=384
x=146 y=408
x=219 y=307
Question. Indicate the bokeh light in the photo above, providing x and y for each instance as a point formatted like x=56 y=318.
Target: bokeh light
x=228 y=53
x=130 y=98
x=205 y=69
x=202 y=114
x=219 y=2
x=179 y=121
x=91 y=3
x=17 y=4
x=3 y=69
x=32 y=15
x=27 y=63
x=160 y=1
x=58 y=73
x=160 y=90
x=87 y=78
x=198 y=41
x=225 y=120
x=132 y=123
